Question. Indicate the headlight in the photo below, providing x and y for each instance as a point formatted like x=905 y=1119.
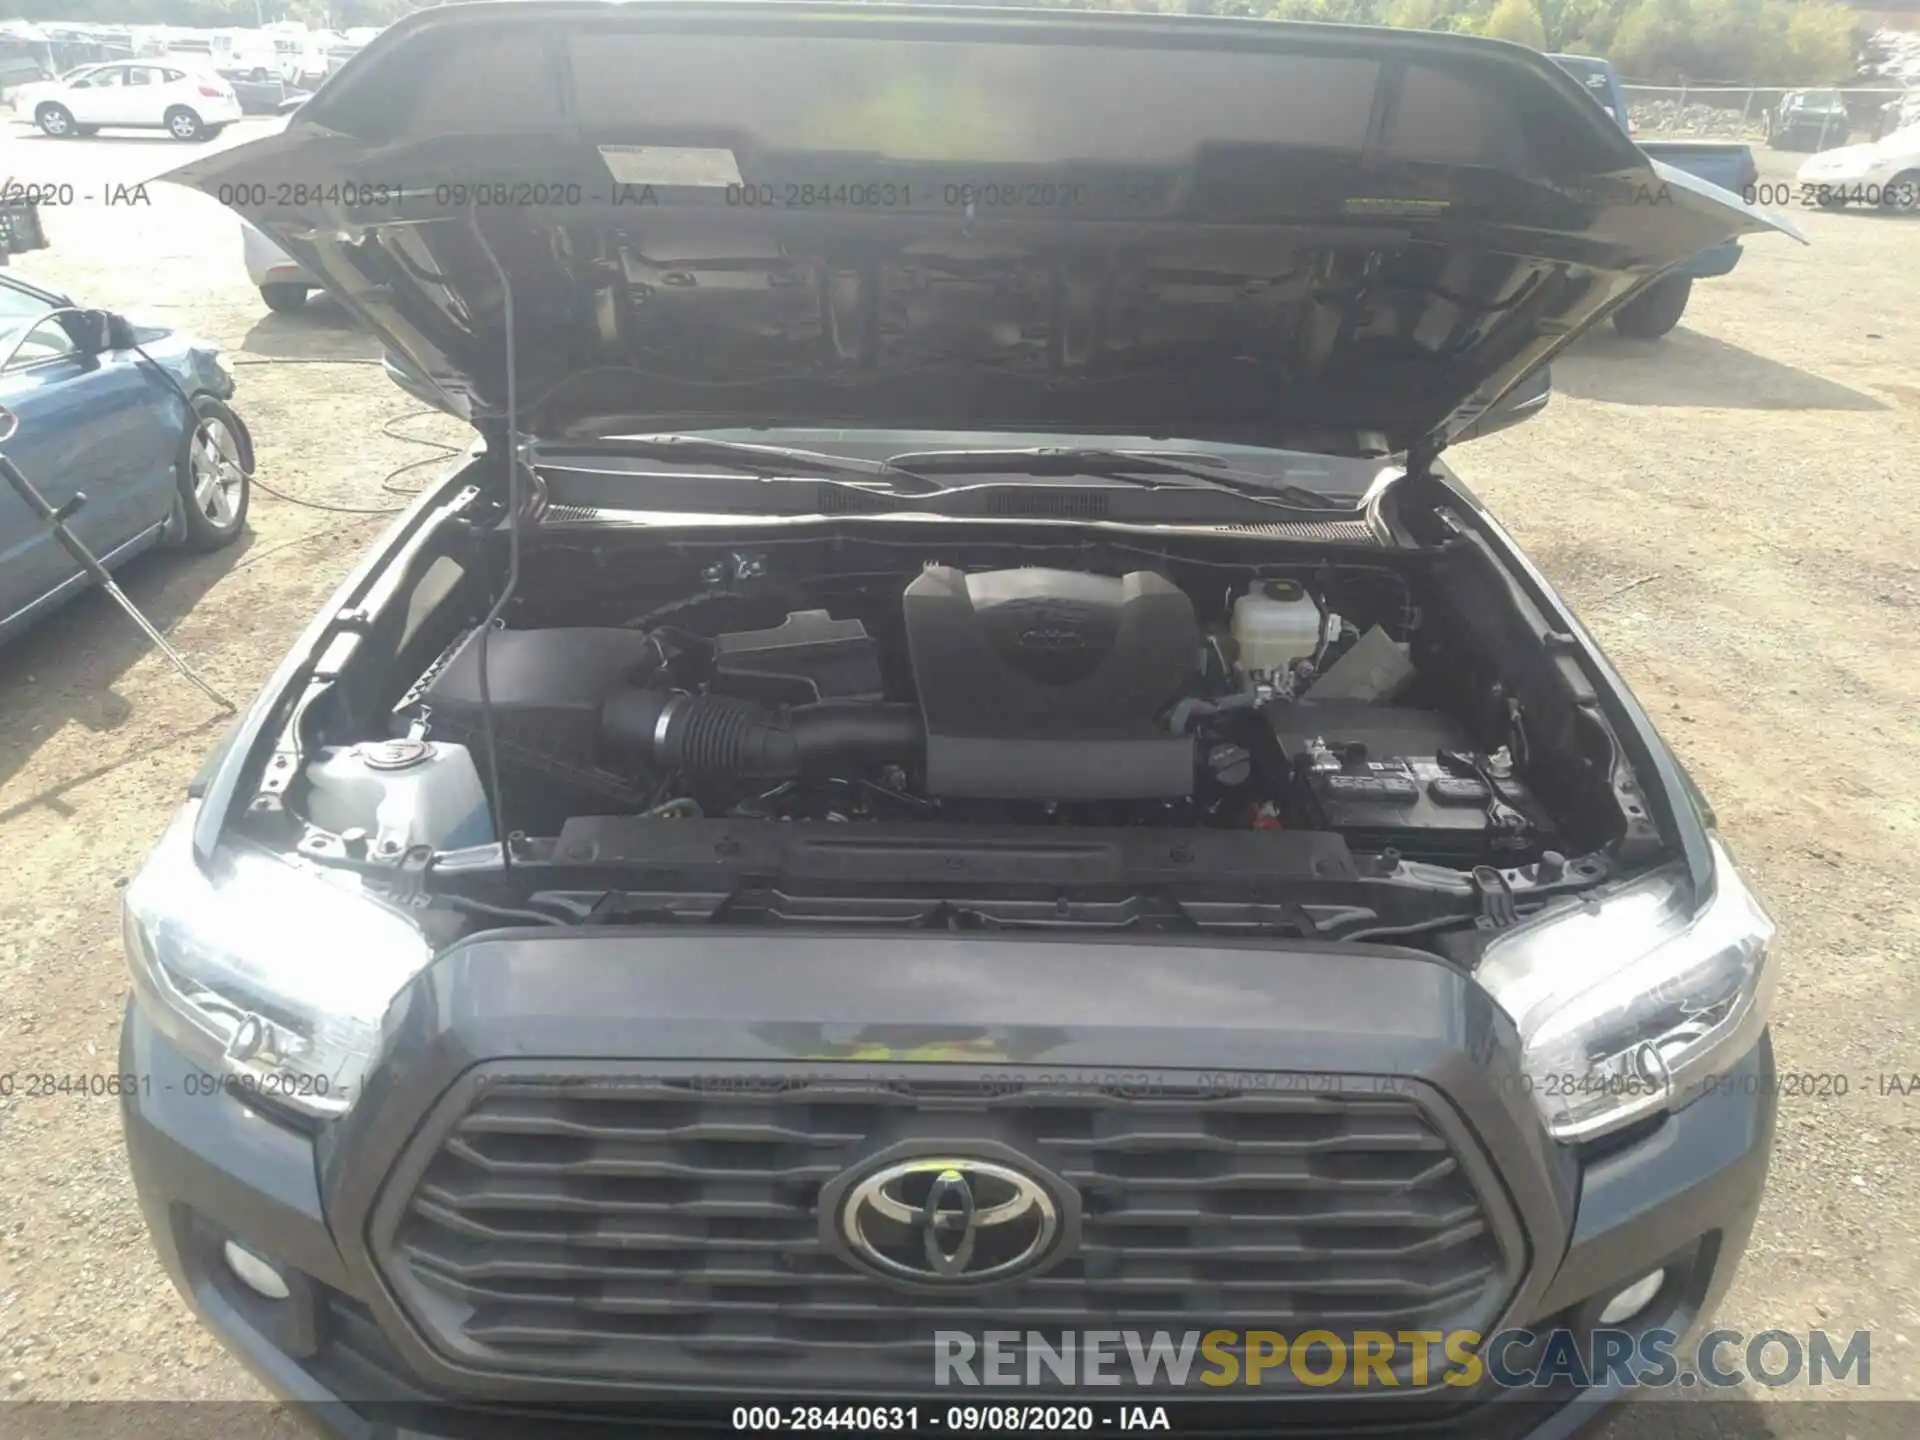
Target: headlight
x=1632 y=1004
x=277 y=975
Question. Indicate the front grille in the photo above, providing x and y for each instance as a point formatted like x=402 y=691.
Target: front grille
x=662 y=1228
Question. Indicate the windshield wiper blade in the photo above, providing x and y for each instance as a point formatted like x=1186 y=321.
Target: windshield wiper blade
x=770 y=460
x=1127 y=465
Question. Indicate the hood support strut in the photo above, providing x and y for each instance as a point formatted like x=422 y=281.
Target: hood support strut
x=514 y=479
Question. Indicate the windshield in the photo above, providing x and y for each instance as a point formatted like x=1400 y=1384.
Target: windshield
x=1333 y=475
x=18 y=310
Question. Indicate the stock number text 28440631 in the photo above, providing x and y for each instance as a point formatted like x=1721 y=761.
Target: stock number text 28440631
x=1831 y=195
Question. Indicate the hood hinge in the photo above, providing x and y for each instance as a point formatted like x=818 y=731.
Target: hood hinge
x=493 y=433
x=1420 y=457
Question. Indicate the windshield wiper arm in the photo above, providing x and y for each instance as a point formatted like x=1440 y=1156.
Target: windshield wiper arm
x=770 y=460
x=1120 y=465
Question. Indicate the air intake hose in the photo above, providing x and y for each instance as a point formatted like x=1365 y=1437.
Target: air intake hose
x=724 y=736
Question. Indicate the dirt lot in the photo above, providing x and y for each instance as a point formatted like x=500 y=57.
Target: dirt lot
x=1732 y=510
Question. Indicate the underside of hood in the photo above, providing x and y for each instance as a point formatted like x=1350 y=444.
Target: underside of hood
x=769 y=214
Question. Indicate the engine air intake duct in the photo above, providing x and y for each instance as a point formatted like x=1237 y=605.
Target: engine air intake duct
x=722 y=735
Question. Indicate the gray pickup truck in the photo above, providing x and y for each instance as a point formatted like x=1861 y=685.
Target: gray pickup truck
x=955 y=780
x=1725 y=163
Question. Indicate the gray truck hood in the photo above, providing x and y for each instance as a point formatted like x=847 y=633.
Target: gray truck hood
x=756 y=214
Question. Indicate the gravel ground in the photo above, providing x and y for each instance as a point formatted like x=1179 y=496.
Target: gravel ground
x=1731 y=509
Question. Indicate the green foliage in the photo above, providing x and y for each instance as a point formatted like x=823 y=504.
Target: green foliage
x=1794 y=42
x=1803 y=42
x=209 y=14
x=1761 y=40
x=1515 y=20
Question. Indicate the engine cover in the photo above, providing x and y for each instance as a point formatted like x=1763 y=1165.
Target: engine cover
x=1051 y=684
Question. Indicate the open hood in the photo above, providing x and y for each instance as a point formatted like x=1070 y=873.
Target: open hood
x=751 y=214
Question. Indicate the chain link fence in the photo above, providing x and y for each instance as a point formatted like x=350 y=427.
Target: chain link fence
x=1781 y=116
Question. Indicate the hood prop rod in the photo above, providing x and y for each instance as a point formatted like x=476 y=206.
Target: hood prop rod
x=514 y=500
x=55 y=520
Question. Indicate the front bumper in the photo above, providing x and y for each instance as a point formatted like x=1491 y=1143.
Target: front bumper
x=209 y=1169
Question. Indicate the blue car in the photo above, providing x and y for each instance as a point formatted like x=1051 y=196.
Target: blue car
x=96 y=418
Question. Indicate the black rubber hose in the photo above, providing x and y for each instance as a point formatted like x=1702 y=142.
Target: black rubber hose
x=722 y=736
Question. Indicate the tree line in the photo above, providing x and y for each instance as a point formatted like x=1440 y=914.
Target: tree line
x=208 y=14
x=1656 y=41
x=1792 y=42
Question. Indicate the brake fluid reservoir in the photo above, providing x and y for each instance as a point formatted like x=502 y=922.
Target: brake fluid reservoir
x=1274 y=624
x=402 y=793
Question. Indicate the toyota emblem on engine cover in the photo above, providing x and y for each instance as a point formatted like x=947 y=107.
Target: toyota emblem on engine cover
x=946 y=1219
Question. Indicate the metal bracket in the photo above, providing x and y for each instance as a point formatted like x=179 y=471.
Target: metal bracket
x=734 y=569
x=1497 y=908
x=407 y=885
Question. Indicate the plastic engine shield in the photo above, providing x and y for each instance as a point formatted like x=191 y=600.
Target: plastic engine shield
x=1042 y=684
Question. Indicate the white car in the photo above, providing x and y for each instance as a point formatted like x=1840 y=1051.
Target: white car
x=283 y=281
x=1885 y=173
x=138 y=95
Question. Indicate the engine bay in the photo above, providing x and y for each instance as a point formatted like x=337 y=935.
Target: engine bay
x=1030 y=695
x=968 y=723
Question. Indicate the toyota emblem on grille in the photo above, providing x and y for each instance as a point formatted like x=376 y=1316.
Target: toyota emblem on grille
x=946 y=1219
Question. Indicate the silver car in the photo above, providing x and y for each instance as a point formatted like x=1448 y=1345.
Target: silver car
x=283 y=281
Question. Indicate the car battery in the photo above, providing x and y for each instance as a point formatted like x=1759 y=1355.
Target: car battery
x=1375 y=774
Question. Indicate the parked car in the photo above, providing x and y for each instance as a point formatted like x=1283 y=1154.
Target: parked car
x=71 y=46
x=247 y=55
x=95 y=419
x=176 y=40
x=267 y=97
x=20 y=229
x=343 y=47
x=188 y=104
x=26 y=56
x=1884 y=174
x=339 y=53
x=283 y=282
x=1809 y=120
x=1728 y=164
x=828 y=826
x=303 y=55
x=1897 y=114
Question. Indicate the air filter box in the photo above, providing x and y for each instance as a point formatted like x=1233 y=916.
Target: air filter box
x=547 y=688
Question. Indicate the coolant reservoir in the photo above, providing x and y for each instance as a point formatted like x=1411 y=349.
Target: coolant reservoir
x=402 y=793
x=1274 y=624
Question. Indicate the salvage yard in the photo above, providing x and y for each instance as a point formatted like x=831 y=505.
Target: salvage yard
x=1733 y=510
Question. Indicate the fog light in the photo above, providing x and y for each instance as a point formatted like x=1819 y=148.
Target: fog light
x=1632 y=1300
x=254 y=1273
